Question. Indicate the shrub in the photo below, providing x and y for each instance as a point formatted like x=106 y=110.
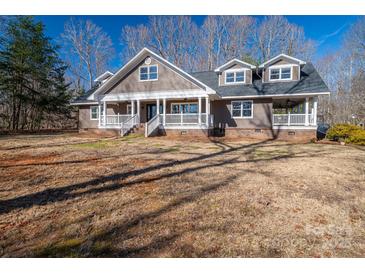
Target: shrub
x=348 y=133
x=341 y=131
x=357 y=137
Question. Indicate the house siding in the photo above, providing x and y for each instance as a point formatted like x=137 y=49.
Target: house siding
x=262 y=113
x=167 y=80
x=84 y=114
x=84 y=118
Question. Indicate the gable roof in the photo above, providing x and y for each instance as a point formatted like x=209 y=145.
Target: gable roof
x=278 y=57
x=134 y=61
x=310 y=82
x=229 y=63
x=103 y=76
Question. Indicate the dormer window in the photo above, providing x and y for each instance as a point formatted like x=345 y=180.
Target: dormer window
x=233 y=77
x=283 y=73
x=148 y=73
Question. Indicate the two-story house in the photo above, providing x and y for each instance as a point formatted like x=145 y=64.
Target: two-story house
x=278 y=99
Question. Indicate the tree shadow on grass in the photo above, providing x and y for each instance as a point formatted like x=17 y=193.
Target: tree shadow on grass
x=108 y=183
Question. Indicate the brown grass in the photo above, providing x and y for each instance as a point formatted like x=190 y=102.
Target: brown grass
x=83 y=196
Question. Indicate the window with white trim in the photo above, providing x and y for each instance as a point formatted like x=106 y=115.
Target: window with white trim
x=94 y=112
x=283 y=73
x=232 y=77
x=242 y=109
x=129 y=109
x=184 y=108
x=148 y=73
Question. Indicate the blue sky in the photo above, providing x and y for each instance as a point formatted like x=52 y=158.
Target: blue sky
x=327 y=30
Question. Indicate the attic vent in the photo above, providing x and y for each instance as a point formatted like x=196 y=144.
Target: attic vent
x=147 y=61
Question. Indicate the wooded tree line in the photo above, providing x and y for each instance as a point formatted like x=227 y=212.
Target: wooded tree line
x=33 y=90
x=344 y=73
x=220 y=38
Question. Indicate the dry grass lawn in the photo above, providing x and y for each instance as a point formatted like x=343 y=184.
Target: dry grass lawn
x=82 y=196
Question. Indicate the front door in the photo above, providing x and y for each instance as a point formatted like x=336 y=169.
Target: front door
x=152 y=111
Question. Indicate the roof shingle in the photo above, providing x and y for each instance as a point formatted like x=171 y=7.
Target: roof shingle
x=310 y=82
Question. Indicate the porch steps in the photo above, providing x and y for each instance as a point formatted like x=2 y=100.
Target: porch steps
x=139 y=129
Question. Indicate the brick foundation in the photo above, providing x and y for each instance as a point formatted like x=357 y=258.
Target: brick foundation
x=297 y=135
x=199 y=133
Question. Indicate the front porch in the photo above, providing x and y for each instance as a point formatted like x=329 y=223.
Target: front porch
x=166 y=113
x=295 y=113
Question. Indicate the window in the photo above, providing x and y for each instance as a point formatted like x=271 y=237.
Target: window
x=242 y=109
x=235 y=77
x=184 y=108
x=129 y=109
x=280 y=73
x=148 y=73
x=94 y=112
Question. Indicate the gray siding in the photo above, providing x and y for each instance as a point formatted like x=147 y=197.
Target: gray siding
x=262 y=113
x=167 y=80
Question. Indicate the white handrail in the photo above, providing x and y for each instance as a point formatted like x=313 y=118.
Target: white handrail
x=294 y=119
x=151 y=125
x=128 y=124
x=188 y=119
x=116 y=119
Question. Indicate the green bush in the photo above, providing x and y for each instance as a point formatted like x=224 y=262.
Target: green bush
x=348 y=133
x=357 y=137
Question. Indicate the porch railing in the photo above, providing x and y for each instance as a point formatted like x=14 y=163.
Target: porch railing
x=187 y=119
x=291 y=119
x=128 y=124
x=115 y=120
x=152 y=125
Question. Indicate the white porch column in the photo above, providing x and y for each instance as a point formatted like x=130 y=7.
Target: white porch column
x=139 y=110
x=315 y=105
x=157 y=106
x=306 y=111
x=104 y=113
x=138 y=107
x=164 y=111
x=132 y=106
x=99 y=112
x=200 y=110
x=207 y=109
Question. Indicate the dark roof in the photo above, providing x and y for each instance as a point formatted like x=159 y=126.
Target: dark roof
x=310 y=82
x=83 y=98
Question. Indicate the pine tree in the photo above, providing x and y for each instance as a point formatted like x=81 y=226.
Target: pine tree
x=32 y=83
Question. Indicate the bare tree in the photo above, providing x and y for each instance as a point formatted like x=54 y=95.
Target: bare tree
x=224 y=38
x=173 y=37
x=276 y=35
x=86 y=44
x=220 y=38
x=134 y=39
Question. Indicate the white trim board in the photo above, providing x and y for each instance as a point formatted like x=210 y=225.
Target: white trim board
x=84 y=103
x=277 y=95
x=235 y=60
x=280 y=56
x=100 y=77
x=152 y=95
